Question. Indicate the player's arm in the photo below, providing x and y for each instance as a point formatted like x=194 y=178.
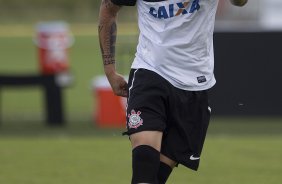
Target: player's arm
x=239 y=2
x=107 y=37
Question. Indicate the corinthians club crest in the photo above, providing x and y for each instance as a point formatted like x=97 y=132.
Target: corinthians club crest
x=134 y=119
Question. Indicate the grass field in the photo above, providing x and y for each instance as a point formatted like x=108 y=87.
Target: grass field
x=237 y=150
x=103 y=157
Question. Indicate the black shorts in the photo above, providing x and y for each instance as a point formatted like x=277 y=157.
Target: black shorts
x=183 y=116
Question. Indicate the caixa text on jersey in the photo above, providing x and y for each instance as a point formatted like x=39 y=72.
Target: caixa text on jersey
x=176 y=9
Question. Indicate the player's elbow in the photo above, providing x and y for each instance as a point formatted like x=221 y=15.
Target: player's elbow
x=239 y=2
x=108 y=9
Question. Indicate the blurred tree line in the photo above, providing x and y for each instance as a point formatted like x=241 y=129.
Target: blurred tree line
x=29 y=11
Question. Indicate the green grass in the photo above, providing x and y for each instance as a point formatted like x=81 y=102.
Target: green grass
x=237 y=150
x=105 y=160
x=63 y=160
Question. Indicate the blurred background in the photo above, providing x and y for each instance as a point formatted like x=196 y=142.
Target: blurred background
x=244 y=142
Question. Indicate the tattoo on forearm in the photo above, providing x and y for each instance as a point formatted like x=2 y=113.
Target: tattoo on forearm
x=113 y=38
x=107 y=34
x=107 y=43
x=108 y=59
x=107 y=3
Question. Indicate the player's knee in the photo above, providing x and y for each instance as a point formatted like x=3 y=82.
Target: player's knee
x=145 y=164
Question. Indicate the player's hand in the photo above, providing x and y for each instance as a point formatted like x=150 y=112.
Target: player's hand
x=118 y=84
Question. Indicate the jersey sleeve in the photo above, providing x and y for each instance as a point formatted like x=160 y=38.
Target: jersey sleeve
x=124 y=2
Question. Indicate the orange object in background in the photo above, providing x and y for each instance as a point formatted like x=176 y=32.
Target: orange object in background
x=53 y=40
x=110 y=109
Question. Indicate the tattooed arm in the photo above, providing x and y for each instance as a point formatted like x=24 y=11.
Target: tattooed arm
x=239 y=2
x=107 y=37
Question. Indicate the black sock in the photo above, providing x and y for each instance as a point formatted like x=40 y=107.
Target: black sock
x=145 y=164
x=164 y=172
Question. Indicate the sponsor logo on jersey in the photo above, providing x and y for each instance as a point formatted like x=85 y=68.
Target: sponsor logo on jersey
x=134 y=119
x=175 y=9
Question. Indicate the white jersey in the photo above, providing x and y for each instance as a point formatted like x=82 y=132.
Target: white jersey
x=176 y=41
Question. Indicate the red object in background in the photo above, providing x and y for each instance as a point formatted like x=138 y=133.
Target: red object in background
x=110 y=109
x=53 y=40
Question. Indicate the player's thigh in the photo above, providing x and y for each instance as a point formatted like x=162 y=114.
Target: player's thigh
x=167 y=161
x=150 y=138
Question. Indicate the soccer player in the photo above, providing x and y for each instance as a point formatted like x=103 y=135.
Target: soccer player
x=167 y=110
